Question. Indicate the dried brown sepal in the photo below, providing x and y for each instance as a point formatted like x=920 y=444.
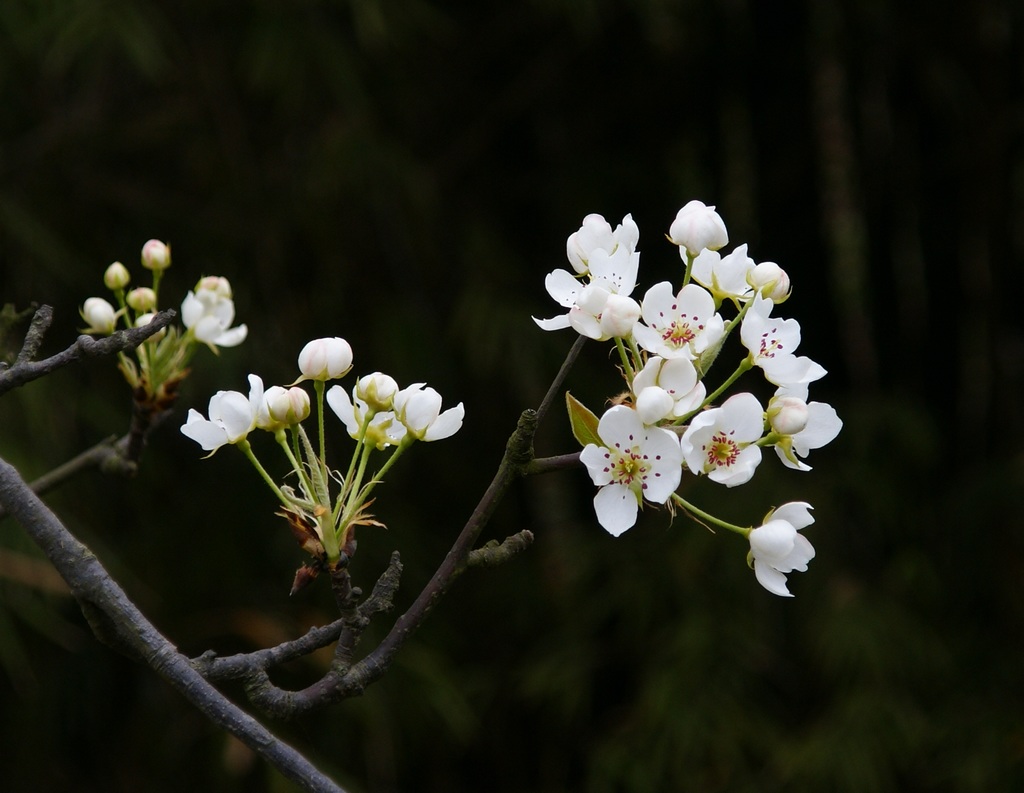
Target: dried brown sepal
x=305 y=534
x=305 y=576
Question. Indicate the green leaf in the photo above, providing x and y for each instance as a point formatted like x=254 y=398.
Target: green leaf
x=582 y=421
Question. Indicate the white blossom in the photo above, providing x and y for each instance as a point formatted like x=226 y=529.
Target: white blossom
x=721 y=442
x=325 y=359
x=678 y=325
x=419 y=409
x=99 y=315
x=778 y=548
x=635 y=462
x=232 y=417
x=208 y=311
x=772 y=343
x=697 y=227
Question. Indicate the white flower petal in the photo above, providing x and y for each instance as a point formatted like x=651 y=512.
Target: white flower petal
x=616 y=508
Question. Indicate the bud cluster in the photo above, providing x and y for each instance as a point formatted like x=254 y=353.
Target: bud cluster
x=325 y=507
x=160 y=364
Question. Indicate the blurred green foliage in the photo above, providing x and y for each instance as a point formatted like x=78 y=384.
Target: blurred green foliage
x=404 y=174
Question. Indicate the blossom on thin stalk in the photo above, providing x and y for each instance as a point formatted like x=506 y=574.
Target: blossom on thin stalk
x=698 y=227
x=418 y=408
x=383 y=429
x=800 y=427
x=676 y=377
x=771 y=281
x=634 y=463
x=282 y=407
x=596 y=234
x=208 y=311
x=778 y=548
x=722 y=442
x=325 y=359
x=99 y=315
x=772 y=343
x=156 y=255
x=232 y=417
x=678 y=325
x=116 y=277
x=609 y=268
x=725 y=276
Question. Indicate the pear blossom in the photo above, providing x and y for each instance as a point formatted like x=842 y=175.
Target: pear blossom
x=801 y=427
x=282 y=407
x=116 y=277
x=679 y=325
x=698 y=227
x=726 y=277
x=419 y=409
x=383 y=429
x=635 y=463
x=141 y=299
x=771 y=281
x=778 y=548
x=208 y=311
x=100 y=316
x=772 y=343
x=156 y=255
x=232 y=417
x=325 y=359
x=596 y=234
x=609 y=267
x=377 y=390
x=722 y=442
x=677 y=377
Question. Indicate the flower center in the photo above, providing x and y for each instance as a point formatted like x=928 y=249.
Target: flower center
x=628 y=467
x=681 y=332
x=721 y=451
x=770 y=344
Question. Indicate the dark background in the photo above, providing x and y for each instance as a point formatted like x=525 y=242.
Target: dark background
x=404 y=174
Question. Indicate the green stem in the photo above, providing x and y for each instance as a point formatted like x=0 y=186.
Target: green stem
x=689 y=268
x=709 y=518
x=319 y=386
x=300 y=472
x=630 y=374
x=248 y=452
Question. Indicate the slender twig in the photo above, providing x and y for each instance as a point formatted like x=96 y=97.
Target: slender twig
x=118 y=621
x=545 y=465
x=25 y=370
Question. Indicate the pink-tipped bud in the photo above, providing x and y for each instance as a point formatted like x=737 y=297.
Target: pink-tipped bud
x=116 y=277
x=156 y=255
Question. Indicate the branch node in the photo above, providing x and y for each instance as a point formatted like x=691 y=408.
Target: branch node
x=493 y=553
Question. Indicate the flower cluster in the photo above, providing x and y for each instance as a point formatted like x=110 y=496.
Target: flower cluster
x=160 y=364
x=376 y=413
x=667 y=423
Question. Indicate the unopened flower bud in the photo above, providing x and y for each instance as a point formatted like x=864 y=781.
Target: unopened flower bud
x=771 y=281
x=787 y=415
x=377 y=390
x=619 y=316
x=697 y=227
x=325 y=359
x=156 y=255
x=653 y=404
x=282 y=407
x=116 y=277
x=141 y=299
x=99 y=315
x=217 y=284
